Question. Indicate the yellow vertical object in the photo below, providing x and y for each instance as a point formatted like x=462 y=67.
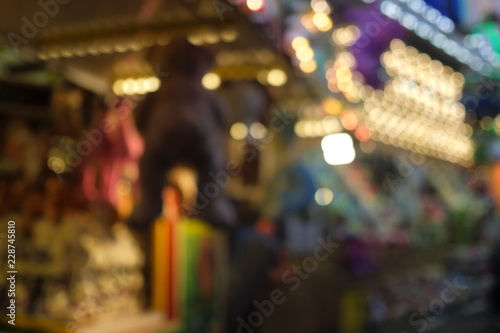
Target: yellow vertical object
x=160 y=264
x=353 y=312
x=189 y=270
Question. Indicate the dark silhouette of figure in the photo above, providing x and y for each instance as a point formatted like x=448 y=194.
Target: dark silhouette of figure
x=182 y=124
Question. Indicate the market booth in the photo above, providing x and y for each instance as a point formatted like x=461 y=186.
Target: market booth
x=372 y=122
x=72 y=76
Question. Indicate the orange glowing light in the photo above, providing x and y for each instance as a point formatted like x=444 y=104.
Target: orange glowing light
x=332 y=106
x=332 y=86
x=349 y=120
x=255 y=5
x=362 y=133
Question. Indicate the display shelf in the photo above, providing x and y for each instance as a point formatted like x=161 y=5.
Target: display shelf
x=150 y=322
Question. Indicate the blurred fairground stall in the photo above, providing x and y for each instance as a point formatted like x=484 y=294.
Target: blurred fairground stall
x=374 y=122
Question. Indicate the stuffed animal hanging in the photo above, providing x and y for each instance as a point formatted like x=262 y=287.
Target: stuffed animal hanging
x=182 y=124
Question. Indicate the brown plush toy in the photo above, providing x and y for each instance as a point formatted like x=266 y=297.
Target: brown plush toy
x=182 y=124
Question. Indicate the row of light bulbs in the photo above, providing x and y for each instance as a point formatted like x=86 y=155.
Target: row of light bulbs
x=430 y=123
x=304 y=54
x=211 y=81
x=416 y=72
x=252 y=57
x=102 y=47
x=406 y=93
x=274 y=77
x=430 y=25
x=317 y=127
x=318 y=19
x=430 y=14
x=136 y=86
x=406 y=61
x=342 y=78
x=405 y=133
x=240 y=131
x=210 y=36
x=416 y=111
x=416 y=115
x=346 y=36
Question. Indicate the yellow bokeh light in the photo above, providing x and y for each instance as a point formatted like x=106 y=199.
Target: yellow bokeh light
x=307 y=22
x=398 y=46
x=195 y=39
x=117 y=88
x=346 y=36
x=238 y=131
x=308 y=66
x=255 y=5
x=299 y=41
x=277 y=77
x=322 y=21
x=344 y=74
x=229 y=35
x=153 y=84
x=304 y=53
x=332 y=105
x=128 y=86
x=211 y=81
x=321 y=6
x=346 y=59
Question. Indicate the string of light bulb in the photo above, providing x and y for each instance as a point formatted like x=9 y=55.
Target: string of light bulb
x=428 y=23
x=419 y=108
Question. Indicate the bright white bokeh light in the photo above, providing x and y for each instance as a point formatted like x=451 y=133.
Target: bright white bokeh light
x=323 y=196
x=432 y=15
x=409 y=21
x=418 y=6
x=423 y=30
x=338 y=149
x=445 y=24
x=438 y=39
x=391 y=9
x=258 y=131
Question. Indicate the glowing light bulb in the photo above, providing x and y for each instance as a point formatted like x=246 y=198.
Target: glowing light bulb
x=277 y=77
x=299 y=41
x=258 y=131
x=323 y=196
x=211 y=81
x=338 y=149
x=304 y=53
x=308 y=66
x=322 y=21
x=255 y=5
x=238 y=131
